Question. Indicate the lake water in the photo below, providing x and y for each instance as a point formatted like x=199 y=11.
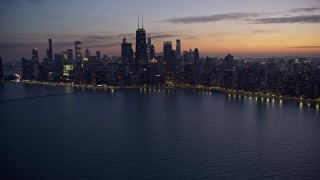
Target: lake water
x=129 y=134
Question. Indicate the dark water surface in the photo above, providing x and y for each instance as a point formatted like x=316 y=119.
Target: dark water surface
x=160 y=135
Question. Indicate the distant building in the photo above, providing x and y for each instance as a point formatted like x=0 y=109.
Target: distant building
x=58 y=57
x=87 y=53
x=50 y=51
x=185 y=56
x=149 y=48
x=65 y=55
x=228 y=60
x=67 y=72
x=191 y=56
x=229 y=74
x=152 y=52
x=70 y=54
x=126 y=52
x=196 y=55
x=188 y=56
x=78 y=51
x=167 y=49
x=178 y=48
x=168 y=52
x=141 y=46
x=29 y=69
x=35 y=54
x=98 y=55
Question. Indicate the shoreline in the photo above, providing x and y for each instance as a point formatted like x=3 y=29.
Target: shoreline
x=146 y=88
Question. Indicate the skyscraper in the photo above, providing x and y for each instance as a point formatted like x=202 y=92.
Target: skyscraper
x=70 y=54
x=152 y=51
x=65 y=55
x=228 y=60
x=185 y=56
x=141 y=46
x=167 y=49
x=58 y=57
x=1 y=69
x=78 y=51
x=126 y=51
x=98 y=55
x=50 y=51
x=178 y=48
x=35 y=54
x=149 y=48
x=196 y=55
x=87 y=53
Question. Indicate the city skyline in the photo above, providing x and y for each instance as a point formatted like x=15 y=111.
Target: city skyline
x=216 y=28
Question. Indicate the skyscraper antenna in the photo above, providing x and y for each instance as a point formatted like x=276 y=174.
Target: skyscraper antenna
x=142 y=22
x=138 y=21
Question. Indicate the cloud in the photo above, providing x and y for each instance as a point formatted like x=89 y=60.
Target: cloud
x=294 y=19
x=304 y=47
x=211 y=18
x=130 y=35
x=160 y=36
x=101 y=45
x=109 y=37
x=175 y=35
x=264 y=31
x=311 y=9
x=100 y=37
x=290 y=16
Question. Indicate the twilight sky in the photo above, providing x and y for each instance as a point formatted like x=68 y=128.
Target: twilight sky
x=216 y=27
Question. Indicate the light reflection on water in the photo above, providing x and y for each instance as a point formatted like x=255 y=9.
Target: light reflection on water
x=267 y=102
x=273 y=102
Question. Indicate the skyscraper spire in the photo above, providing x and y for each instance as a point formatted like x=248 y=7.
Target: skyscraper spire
x=142 y=22
x=138 y=21
x=124 y=39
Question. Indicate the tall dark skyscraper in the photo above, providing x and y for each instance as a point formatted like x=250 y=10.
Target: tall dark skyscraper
x=126 y=52
x=196 y=55
x=70 y=54
x=1 y=69
x=77 y=47
x=141 y=46
x=35 y=54
x=178 y=48
x=152 y=51
x=148 y=48
x=167 y=49
x=50 y=51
